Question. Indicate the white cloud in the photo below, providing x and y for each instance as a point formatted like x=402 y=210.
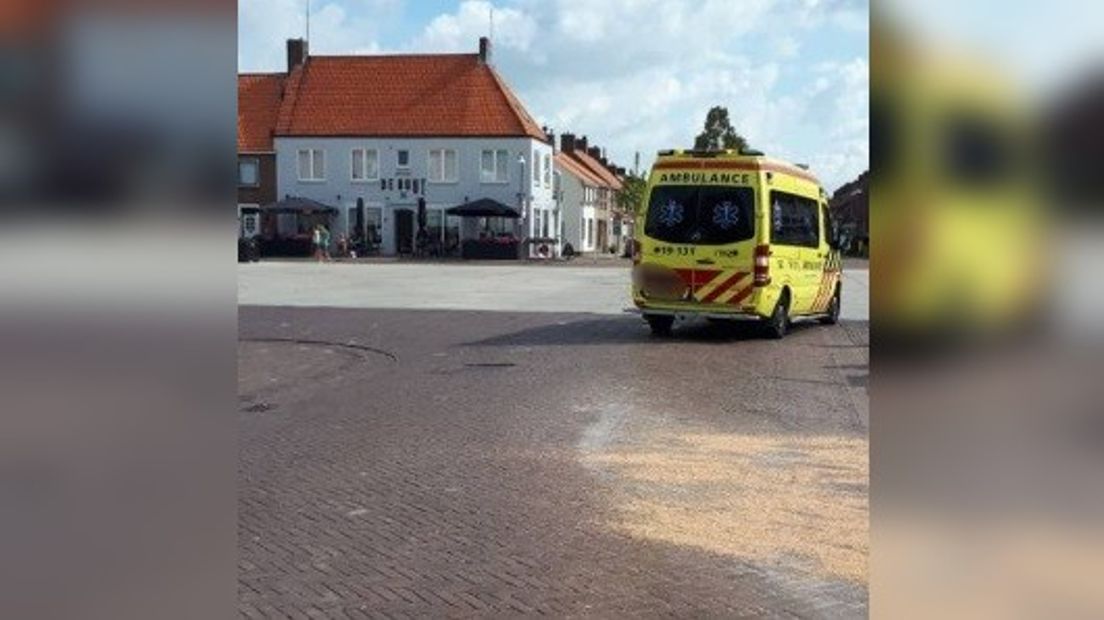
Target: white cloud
x=847 y=15
x=639 y=75
x=843 y=97
x=335 y=28
x=787 y=47
x=513 y=29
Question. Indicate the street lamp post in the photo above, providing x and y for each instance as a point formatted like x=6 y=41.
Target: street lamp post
x=524 y=220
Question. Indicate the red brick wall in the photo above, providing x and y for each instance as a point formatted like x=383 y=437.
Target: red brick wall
x=265 y=191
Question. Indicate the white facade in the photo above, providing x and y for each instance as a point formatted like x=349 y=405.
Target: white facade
x=577 y=205
x=445 y=171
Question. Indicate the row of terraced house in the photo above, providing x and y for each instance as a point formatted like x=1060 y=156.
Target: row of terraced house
x=397 y=154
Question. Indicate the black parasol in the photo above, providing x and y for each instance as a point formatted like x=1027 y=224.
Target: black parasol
x=298 y=204
x=484 y=207
x=360 y=217
x=421 y=214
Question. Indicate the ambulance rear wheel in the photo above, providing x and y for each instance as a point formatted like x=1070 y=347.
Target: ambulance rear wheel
x=832 y=317
x=779 y=319
x=660 y=325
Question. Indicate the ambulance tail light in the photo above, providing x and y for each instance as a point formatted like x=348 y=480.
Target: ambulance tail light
x=761 y=273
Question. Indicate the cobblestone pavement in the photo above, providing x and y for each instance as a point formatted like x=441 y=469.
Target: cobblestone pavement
x=400 y=463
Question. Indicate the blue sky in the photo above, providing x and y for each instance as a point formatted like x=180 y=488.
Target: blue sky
x=632 y=75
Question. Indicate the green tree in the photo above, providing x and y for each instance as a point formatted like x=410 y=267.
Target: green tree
x=718 y=132
x=631 y=194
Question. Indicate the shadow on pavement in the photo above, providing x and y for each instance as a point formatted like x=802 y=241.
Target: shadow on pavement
x=632 y=330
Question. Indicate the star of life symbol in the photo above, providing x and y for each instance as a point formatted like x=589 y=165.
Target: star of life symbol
x=670 y=214
x=726 y=215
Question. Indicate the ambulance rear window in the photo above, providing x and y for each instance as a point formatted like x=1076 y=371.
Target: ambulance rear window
x=709 y=215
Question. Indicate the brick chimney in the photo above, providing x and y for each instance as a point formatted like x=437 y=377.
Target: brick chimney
x=567 y=142
x=484 y=50
x=581 y=144
x=297 y=52
x=595 y=152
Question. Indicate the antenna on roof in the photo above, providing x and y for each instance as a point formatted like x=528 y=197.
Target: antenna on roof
x=308 y=21
x=490 y=18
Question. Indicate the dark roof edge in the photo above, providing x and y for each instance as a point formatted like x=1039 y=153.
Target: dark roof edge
x=406 y=135
x=395 y=55
x=518 y=108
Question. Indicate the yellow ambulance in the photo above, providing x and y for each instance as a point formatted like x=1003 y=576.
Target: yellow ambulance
x=734 y=235
x=962 y=232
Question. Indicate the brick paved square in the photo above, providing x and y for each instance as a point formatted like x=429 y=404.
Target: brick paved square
x=407 y=463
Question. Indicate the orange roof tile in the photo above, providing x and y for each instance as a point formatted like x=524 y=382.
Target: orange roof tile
x=258 y=108
x=401 y=95
x=568 y=163
x=608 y=178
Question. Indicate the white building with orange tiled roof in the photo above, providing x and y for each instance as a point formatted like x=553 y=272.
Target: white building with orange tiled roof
x=389 y=131
x=588 y=197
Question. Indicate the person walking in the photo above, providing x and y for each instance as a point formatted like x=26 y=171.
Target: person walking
x=316 y=240
x=325 y=243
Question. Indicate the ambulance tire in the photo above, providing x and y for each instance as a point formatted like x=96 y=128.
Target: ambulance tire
x=832 y=317
x=780 y=318
x=660 y=325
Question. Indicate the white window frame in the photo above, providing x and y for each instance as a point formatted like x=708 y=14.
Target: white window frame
x=350 y=220
x=256 y=163
x=445 y=219
x=364 y=161
x=242 y=206
x=496 y=162
x=547 y=170
x=399 y=166
x=444 y=178
x=536 y=167
x=375 y=208
x=313 y=178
